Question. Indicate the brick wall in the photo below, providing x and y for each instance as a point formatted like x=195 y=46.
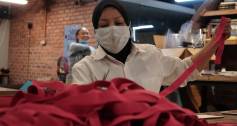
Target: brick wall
x=43 y=59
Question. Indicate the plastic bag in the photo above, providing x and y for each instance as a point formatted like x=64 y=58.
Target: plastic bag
x=186 y=37
x=172 y=40
x=195 y=38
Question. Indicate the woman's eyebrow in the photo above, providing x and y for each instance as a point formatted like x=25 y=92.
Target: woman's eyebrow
x=105 y=19
x=118 y=17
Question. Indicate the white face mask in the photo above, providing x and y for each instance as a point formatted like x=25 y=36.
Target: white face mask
x=113 y=38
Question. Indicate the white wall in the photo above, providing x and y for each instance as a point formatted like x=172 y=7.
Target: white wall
x=4 y=42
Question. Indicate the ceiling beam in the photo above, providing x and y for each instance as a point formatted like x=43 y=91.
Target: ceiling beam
x=163 y=5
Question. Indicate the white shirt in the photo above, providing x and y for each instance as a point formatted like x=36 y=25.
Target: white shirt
x=145 y=65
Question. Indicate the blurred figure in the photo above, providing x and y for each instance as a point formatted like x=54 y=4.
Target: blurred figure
x=62 y=68
x=79 y=49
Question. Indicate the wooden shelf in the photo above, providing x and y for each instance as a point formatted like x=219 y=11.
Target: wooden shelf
x=230 y=41
x=220 y=13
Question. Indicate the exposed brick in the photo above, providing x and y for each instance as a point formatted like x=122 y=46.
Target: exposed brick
x=43 y=60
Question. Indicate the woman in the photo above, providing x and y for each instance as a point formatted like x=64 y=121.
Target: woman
x=118 y=56
x=79 y=49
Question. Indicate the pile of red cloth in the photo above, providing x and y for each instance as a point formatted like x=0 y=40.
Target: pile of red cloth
x=119 y=102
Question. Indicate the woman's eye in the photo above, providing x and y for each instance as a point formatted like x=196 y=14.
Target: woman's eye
x=103 y=26
x=118 y=23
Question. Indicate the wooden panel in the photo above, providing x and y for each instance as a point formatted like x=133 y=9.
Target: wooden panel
x=220 y=13
x=194 y=51
x=197 y=50
x=227 y=118
x=231 y=41
x=7 y=92
x=183 y=52
x=219 y=78
x=159 y=41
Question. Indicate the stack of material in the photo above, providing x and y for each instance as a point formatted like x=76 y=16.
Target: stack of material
x=228 y=5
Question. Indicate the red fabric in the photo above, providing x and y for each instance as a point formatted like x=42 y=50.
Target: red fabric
x=218 y=41
x=117 y=103
x=220 y=51
x=5 y=101
x=46 y=87
x=31 y=114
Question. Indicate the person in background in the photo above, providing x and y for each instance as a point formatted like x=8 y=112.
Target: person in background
x=79 y=49
x=118 y=56
x=62 y=68
x=190 y=32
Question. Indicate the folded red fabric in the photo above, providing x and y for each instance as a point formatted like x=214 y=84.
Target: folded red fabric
x=5 y=101
x=119 y=102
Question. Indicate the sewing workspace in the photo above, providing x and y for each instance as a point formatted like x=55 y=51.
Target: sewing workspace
x=118 y=63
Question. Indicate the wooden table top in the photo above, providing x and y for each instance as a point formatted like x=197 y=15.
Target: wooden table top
x=228 y=118
x=217 y=78
x=7 y=91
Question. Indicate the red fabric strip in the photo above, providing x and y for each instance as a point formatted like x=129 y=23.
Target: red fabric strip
x=218 y=41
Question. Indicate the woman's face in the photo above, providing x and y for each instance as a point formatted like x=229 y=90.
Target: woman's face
x=111 y=17
x=83 y=34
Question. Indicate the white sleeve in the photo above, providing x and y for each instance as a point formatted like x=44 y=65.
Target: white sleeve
x=81 y=74
x=174 y=67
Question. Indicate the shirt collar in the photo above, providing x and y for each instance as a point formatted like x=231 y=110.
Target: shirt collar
x=100 y=53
